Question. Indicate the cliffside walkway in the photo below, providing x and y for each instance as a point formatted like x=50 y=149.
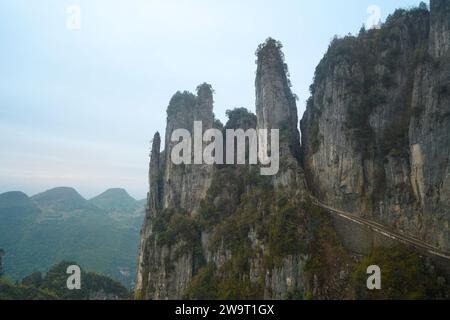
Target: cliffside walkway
x=385 y=231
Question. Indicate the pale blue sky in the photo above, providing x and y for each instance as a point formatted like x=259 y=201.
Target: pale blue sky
x=79 y=107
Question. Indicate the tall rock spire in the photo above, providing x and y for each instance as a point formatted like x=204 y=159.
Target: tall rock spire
x=184 y=189
x=276 y=108
x=153 y=208
x=205 y=101
x=275 y=104
x=154 y=202
x=177 y=188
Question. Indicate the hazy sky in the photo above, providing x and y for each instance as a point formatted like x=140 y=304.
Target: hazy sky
x=78 y=107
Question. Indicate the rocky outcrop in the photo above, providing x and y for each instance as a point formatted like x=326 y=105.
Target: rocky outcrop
x=155 y=177
x=375 y=141
x=175 y=187
x=214 y=200
x=276 y=109
x=185 y=186
x=375 y=135
x=275 y=103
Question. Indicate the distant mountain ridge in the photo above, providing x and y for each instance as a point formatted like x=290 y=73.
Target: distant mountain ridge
x=116 y=199
x=61 y=198
x=14 y=199
x=59 y=224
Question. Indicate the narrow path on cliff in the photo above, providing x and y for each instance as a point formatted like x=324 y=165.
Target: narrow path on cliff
x=385 y=231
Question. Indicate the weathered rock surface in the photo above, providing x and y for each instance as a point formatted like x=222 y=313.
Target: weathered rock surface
x=176 y=187
x=166 y=270
x=375 y=141
x=376 y=133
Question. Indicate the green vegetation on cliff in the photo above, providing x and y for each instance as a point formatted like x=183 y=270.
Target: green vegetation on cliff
x=240 y=214
x=369 y=66
x=405 y=275
x=335 y=273
x=256 y=216
x=329 y=267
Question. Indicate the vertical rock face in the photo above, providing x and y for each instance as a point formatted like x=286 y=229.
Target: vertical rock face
x=162 y=271
x=212 y=220
x=154 y=205
x=276 y=109
x=275 y=104
x=440 y=28
x=376 y=131
x=185 y=186
x=155 y=176
x=375 y=141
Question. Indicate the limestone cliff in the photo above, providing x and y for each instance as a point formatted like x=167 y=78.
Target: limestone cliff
x=276 y=109
x=247 y=232
x=375 y=141
x=173 y=188
x=376 y=133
